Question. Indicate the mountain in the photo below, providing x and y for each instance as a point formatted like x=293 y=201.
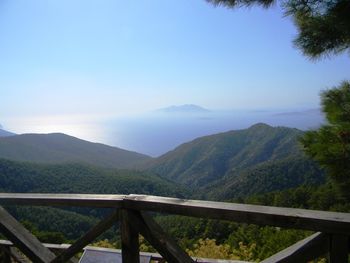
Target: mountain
x=238 y=161
x=4 y=133
x=265 y=178
x=24 y=177
x=62 y=148
x=21 y=177
x=186 y=108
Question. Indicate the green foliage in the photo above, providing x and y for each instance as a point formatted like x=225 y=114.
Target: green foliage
x=240 y=163
x=267 y=177
x=45 y=236
x=77 y=178
x=46 y=222
x=208 y=159
x=241 y=3
x=207 y=248
x=74 y=178
x=324 y=197
x=330 y=145
x=205 y=238
x=145 y=246
x=105 y=243
x=323 y=25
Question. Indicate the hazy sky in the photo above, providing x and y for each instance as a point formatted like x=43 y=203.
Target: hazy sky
x=109 y=57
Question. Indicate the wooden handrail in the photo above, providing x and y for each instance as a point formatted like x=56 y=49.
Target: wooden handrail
x=322 y=221
x=334 y=227
x=85 y=200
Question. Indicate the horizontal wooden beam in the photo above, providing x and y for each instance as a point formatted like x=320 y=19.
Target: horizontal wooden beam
x=86 y=200
x=303 y=251
x=321 y=221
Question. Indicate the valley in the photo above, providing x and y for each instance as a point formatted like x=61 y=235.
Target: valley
x=254 y=165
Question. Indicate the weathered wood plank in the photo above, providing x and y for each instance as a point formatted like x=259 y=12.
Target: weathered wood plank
x=321 y=221
x=53 y=247
x=329 y=222
x=338 y=251
x=50 y=246
x=23 y=239
x=93 y=233
x=86 y=200
x=130 y=237
x=307 y=249
x=164 y=244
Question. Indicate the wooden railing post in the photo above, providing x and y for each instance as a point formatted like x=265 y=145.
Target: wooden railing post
x=129 y=237
x=338 y=248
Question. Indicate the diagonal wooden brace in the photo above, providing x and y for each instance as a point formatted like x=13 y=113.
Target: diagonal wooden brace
x=154 y=234
x=93 y=233
x=23 y=239
x=307 y=249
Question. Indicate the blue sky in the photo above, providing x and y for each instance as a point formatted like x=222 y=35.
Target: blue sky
x=110 y=58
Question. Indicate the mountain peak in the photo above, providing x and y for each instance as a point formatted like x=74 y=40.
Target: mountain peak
x=4 y=133
x=260 y=125
x=185 y=108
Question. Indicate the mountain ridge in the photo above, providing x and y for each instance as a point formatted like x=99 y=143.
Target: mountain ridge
x=4 y=133
x=62 y=148
x=185 y=108
x=226 y=158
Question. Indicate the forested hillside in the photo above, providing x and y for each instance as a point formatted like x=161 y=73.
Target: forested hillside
x=239 y=163
x=62 y=148
x=58 y=225
x=78 y=178
x=251 y=165
x=267 y=177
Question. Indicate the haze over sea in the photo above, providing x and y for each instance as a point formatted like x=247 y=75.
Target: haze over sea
x=157 y=132
x=98 y=70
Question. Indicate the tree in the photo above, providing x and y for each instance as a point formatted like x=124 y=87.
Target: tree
x=330 y=145
x=323 y=25
x=324 y=29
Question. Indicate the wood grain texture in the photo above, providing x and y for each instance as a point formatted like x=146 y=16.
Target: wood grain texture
x=135 y=220
x=23 y=239
x=328 y=222
x=129 y=229
x=321 y=221
x=85 y=200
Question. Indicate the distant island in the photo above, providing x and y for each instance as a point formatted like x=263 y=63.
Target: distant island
x=4 y=133
x=186 y=108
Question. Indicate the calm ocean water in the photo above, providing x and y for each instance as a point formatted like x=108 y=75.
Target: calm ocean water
x=156 y=133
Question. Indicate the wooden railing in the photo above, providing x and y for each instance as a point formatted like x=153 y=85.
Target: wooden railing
x=331 y=237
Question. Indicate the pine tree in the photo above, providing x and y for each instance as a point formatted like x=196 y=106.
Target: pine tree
x=330 y=145
x=324 y=29
x=323 y=25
